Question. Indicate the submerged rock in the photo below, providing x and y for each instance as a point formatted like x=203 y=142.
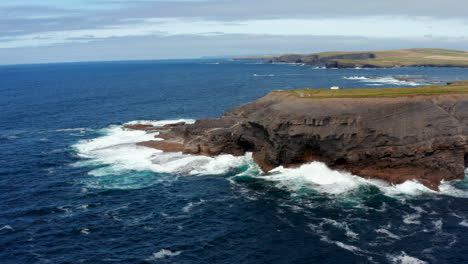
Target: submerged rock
x=394 y=139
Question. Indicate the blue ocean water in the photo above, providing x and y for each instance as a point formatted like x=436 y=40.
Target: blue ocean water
x=75 y=189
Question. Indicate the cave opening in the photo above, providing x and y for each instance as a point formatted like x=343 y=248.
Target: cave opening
x=246 y=145
x=341 y=161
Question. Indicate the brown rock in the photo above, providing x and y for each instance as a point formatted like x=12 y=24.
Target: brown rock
x=166 y=146
x=153 y=128
x=139 y=127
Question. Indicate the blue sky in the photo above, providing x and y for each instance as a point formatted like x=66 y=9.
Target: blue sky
x=34 y=31
x=65 y=4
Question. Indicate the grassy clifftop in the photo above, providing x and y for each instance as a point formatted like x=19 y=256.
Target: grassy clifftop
x=453 y=88
x=409 y=57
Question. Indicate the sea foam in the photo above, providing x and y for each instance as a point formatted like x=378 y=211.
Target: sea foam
x=317 y=176
x=116 y=153
x=404 y=258
x=377 y=81
x=163 y=253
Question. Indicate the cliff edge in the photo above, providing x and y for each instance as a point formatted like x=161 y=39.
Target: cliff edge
x=391 y=134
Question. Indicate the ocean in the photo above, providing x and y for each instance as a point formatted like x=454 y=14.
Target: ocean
x=74 y=188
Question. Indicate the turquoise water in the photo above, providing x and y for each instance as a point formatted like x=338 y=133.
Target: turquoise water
x=76 y=189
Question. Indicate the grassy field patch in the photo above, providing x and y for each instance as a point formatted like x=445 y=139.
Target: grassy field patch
x=454 y=88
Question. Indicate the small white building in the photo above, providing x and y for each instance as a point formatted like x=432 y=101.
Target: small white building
x=335 y=88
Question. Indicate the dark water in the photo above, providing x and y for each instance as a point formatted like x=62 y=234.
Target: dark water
x=75 y=189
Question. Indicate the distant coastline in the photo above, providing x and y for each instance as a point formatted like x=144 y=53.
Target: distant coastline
x=373 y=59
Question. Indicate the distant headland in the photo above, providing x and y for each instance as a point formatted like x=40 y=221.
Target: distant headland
x=373 y=59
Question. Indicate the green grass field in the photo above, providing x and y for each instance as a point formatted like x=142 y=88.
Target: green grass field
x=409 y=57
x=454 y=88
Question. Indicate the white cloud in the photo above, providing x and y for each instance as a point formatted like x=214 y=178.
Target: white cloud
x=380 y=27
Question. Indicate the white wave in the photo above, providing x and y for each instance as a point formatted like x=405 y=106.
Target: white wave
x=116 y=137
x=163 y=253
x=83 y=207
x=76 y=132
x=71 y=129
x=317 y=176
x=323 y=232
x=449 y=188
x=356 y=78
x=383 y=80
x=116 y=148
x=464 y=223
x=192 y=205
x=347 y=247
x=77 y=135
x=351 y=248
x=263 y=75
x=85 y=231
x=411 y=187
x=403 y=258
x=159 y=123
x=414 y=218
x=7 y=227
x=388 y=233
x=348 y=232
x=438 y=224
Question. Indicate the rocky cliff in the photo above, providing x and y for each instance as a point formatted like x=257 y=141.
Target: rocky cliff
x=394 y=139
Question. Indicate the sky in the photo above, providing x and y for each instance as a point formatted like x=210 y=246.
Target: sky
x=44 y=31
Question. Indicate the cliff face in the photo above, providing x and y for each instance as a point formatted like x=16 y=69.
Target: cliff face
x=395 y=139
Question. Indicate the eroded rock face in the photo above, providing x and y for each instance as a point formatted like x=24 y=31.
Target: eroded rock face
x=394 y=139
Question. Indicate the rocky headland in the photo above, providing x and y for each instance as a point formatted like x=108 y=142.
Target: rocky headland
x=394 y=134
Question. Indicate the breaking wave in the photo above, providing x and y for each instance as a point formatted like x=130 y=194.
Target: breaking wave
x=163 y=253
x=378 y=81
x=318 y=177
x=403 y=258
x=263 y=75
x=120 y=163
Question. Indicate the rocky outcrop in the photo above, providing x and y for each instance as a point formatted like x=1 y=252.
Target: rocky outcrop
x=394 y=139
